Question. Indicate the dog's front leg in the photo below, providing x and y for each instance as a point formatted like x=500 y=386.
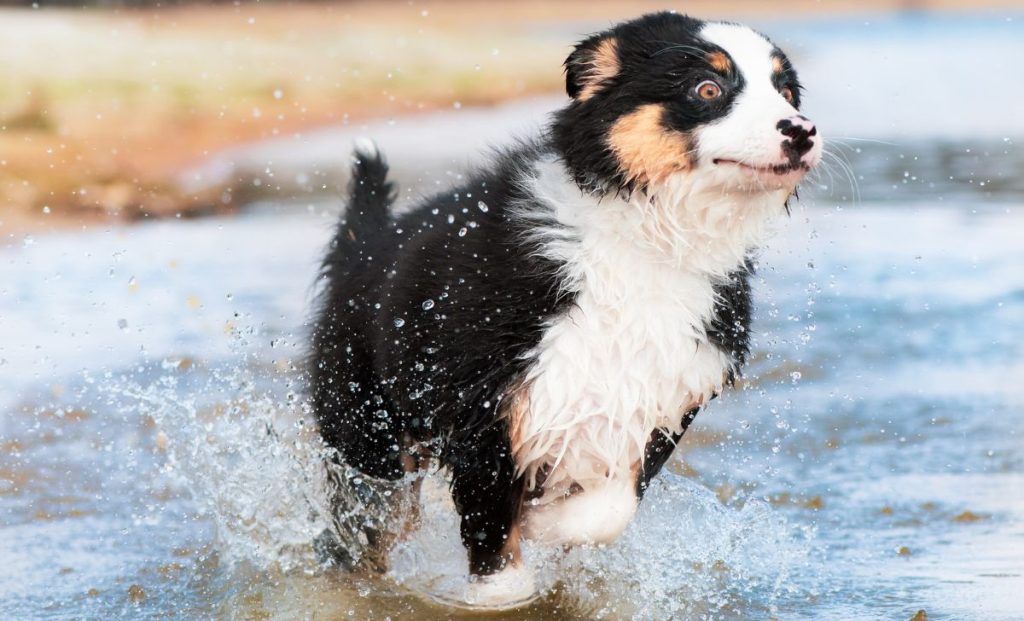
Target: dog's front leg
x=488 y=494
x=658 y=450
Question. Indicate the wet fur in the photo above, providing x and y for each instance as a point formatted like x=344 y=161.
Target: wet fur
x=477 y=326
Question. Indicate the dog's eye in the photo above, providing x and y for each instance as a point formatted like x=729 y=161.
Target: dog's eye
x=708 y=90
x=787 y=93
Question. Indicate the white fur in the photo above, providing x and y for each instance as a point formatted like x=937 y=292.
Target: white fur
x=748 y=133
x=366 y=147
x=631 y=355
x=598 y=515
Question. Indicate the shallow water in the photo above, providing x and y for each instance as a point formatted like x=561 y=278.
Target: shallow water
x=156 y=458
x=154 y=462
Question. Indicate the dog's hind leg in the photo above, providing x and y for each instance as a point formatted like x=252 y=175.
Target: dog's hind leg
x=357 y=420
x=416 y=461
x=353 y=413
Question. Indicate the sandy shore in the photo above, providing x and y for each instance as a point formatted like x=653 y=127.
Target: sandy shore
x=102 y=110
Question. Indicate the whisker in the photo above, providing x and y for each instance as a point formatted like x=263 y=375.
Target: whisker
x=843 y=138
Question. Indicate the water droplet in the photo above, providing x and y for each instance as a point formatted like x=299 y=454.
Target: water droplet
x=482 y=206
x=428 y=304
x=399 y=322
x=463 y=231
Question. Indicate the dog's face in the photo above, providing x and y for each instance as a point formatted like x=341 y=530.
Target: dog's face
x=668 y=95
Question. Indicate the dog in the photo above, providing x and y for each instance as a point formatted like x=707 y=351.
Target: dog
x=547 y=330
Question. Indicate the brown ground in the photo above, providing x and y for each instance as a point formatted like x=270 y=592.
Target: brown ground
x=100 y=109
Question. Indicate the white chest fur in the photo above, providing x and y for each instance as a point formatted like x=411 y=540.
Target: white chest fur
x=631 y=356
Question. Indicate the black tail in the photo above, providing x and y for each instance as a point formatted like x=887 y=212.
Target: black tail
x=370 y=195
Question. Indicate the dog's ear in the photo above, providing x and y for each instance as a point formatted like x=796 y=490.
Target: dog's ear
x=591 y=66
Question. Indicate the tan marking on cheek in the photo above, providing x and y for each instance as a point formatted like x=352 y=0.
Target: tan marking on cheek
x=647 y=151
x=604 y=66
x=720 y=62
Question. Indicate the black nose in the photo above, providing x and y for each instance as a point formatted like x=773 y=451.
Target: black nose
x=798 y=130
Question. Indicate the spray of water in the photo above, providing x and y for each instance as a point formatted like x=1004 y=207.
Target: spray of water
x=280 y=502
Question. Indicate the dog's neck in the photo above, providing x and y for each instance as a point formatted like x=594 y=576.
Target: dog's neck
x=684 y=222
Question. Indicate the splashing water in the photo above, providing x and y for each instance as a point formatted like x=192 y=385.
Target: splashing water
x=257 y=468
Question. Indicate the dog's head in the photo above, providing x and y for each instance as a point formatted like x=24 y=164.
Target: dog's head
x=666 y=95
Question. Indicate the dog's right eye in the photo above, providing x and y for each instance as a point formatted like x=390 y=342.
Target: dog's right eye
x=708 y=90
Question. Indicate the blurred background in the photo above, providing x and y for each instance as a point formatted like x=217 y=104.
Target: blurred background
x=170 y=173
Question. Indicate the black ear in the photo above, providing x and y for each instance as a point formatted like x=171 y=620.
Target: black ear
x=590 y=67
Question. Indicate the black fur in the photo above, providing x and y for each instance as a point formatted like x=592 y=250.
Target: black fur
x=729 y=329
x=422 y=328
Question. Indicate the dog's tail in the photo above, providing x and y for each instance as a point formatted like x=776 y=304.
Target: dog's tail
x=366 y=217
x=370 y=194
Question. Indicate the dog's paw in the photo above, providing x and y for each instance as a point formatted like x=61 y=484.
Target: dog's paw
x=510 y=588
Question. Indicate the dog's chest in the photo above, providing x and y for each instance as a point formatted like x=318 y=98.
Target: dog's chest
x=631 y=356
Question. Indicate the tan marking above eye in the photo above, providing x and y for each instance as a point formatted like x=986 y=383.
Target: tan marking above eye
x=708 y=90
x=604 y=65
x=777 y=64
x=649 y=152
x=720 y=62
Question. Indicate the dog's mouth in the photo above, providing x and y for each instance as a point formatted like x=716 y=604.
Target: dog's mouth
x=769 y=169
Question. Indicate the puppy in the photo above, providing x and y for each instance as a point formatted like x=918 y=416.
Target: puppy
x=547 y=330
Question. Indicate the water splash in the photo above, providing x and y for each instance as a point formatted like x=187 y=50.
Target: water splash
x=250 y=461
x=686 y=555
x=255 y=465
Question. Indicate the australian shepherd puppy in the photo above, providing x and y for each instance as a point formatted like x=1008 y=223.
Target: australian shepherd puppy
x=547 y=330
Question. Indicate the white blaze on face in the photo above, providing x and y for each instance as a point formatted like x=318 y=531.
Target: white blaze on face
x=749 y=132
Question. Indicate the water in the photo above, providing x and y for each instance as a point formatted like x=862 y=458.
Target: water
x=156 y=457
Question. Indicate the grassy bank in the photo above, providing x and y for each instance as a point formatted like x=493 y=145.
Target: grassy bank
x=100 y=109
